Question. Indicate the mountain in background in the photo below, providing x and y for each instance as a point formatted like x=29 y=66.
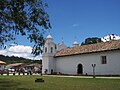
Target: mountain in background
x=13 y=59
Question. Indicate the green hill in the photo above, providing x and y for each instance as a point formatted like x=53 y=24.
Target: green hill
x=13 y=59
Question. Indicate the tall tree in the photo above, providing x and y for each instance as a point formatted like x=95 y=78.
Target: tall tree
x=24 y=17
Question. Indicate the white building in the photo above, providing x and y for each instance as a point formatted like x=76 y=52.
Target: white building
x=79 y=59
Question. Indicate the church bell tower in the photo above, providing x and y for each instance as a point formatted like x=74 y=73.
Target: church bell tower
x=48 y=61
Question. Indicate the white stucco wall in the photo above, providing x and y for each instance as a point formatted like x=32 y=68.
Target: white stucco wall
x=68 y=64
x=48 y=63
x=45 y=64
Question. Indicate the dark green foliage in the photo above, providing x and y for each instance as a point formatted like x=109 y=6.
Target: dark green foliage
x=91 y=40
x=12 y=59
x=23 y=17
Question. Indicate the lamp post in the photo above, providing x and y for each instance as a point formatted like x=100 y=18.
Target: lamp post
x=93 y=65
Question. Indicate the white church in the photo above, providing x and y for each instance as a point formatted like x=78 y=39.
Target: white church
x=105 y=57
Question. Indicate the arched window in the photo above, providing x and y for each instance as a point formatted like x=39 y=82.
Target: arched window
x=51 y=49
x=45 y=49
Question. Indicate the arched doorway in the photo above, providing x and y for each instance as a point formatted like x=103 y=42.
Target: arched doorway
x=79 y=69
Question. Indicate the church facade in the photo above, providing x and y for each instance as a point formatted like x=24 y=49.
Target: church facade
x=103 y=57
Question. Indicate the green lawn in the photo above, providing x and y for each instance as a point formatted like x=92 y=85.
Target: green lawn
x=57 y=83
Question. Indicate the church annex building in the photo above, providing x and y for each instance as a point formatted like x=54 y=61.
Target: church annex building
x=79 y=59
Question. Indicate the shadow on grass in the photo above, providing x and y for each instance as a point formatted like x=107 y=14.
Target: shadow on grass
x=6 y=84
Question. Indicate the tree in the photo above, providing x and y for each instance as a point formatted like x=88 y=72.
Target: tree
x=91 y=40
x=25 y=18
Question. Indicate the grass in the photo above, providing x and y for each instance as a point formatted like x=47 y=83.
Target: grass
x=57 y=83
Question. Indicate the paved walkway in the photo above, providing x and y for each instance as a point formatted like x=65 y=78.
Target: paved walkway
x=106 y=77
x=83 y=76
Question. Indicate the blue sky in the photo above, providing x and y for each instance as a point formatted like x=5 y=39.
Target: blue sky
x=79 y=19
x=83 y=18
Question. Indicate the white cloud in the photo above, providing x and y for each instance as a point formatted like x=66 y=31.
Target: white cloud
x=19 y=51
x=117 y=37
x=113 y=37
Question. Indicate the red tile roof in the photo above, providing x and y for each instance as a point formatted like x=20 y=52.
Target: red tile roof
x=91 y=48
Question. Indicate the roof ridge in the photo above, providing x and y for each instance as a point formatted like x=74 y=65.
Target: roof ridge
x=101 y=46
